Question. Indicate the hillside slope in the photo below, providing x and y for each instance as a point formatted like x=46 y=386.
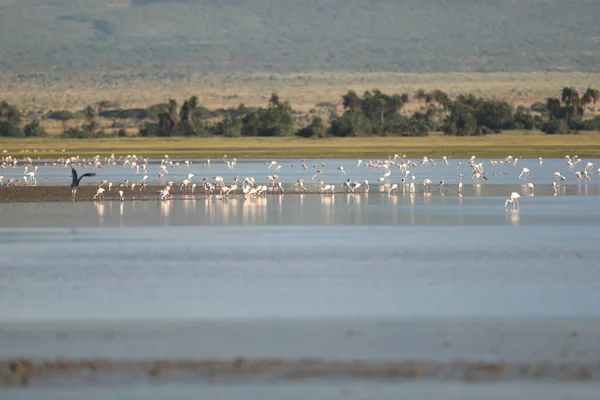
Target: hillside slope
x=290 y=35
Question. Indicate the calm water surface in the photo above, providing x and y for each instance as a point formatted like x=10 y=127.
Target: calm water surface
x=311 y=255
x=291 y=275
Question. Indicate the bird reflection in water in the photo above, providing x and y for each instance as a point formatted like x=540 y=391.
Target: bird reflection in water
x=582 y=190
x=327 y=203
x=427 y=197
x=412 y=209
x=187 y=205
x=348 y=198
x=301 y=206
x=165 y=208
x=357 y=199
x=254 y=211
x=121 y=208
x=99 y=206
x=228 y=209
x=513 y=216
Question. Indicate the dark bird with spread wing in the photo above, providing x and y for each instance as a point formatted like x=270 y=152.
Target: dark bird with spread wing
x=75 y=183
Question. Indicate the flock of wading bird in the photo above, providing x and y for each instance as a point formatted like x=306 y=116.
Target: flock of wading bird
x=250 y=188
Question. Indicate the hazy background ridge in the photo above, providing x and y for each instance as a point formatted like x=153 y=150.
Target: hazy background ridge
x=290 y=36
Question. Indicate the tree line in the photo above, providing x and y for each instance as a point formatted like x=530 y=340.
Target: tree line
x=372 y=114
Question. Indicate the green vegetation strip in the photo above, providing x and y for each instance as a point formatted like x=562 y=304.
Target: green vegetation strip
x=524 y=145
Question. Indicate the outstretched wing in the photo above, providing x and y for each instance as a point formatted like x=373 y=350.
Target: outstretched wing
x=84 y=175
x=74 y=173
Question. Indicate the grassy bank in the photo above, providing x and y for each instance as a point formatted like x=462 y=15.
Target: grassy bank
x=520 y=143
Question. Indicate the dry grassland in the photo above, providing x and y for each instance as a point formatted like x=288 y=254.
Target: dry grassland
x=302 y=90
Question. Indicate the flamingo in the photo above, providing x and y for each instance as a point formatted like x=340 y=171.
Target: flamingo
x=326 y=188
x=319 y=172
x=524 y=173
x=164 y=193
x=300 y=183
x=99 y=193
x=531 y=187
x=352 y=186
x=394 y=188
x=341 y=170
x=426 y=183
x=31 y=176
x=226 y=190
x=514 y=199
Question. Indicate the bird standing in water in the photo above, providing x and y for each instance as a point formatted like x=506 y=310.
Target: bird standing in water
x=75 y=183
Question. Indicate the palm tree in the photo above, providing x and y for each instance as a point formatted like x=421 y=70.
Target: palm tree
x=274 y=101
x=590 y=96
x=405 y=98
x=89 y=114
x=193 y=105
x=351 y=101
x=103 y=105
x=571 y=99
x=172 y=112
x=420 y=94
x=553 y=106
x=184 y=112
x=441 y=98
x=566 y=94
x=10 y=113
x=395 y=103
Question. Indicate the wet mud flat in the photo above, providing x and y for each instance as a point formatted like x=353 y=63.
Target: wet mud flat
x=27 y=372
x=62 y=193
x=74 y=354
x=52 y=193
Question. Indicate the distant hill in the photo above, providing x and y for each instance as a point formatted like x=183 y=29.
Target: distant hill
x=76 y=36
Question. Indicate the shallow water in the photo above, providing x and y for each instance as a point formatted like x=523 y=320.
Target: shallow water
x=323 y=390
x=292 y=275
x=292 y=255
x=291 y=170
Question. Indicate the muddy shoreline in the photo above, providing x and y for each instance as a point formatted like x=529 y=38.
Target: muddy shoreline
x=26 y=372
x=53 y=193
x=62 y=193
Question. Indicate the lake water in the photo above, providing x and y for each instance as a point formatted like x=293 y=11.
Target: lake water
x=291 y=275
x=292 y=170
